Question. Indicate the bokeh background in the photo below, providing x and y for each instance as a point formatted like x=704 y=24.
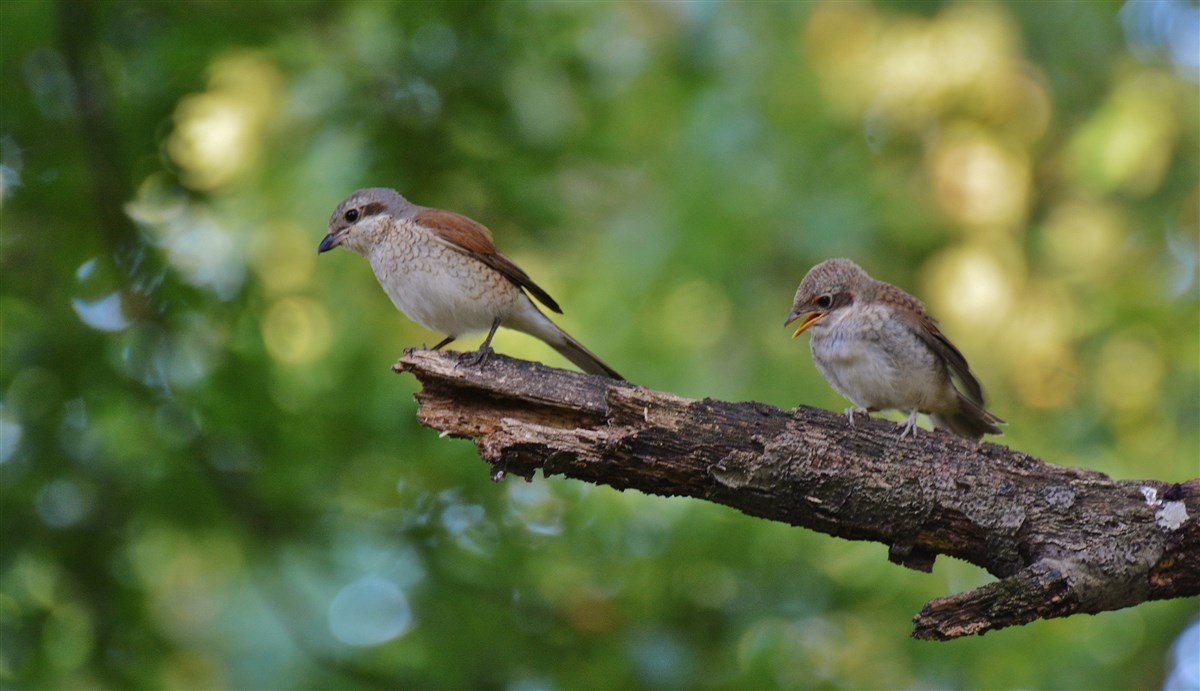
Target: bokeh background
x=210 y=477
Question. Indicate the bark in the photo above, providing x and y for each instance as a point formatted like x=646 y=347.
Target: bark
x=1060 y=541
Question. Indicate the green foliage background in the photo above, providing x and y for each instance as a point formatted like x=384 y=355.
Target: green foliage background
x=210 y=478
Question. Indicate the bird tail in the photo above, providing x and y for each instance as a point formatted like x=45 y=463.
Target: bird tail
x=971 y=420
x=531 y=321
x=583 y=358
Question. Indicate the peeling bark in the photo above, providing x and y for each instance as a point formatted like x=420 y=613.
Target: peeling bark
x=1060 y=541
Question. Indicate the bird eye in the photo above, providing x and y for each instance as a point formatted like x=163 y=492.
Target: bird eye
x=825 y=301
x=352 y=215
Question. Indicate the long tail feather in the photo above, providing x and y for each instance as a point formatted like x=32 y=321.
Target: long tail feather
x=971 y=420
x=531 y=321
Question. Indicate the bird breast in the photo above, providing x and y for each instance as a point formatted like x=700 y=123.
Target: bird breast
x=438 y=287
x=871 y=358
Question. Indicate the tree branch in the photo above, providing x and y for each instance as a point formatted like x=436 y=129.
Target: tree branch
x=1061 y=541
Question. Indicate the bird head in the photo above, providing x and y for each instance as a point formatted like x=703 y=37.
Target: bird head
x=829 y=286
x=362 y=217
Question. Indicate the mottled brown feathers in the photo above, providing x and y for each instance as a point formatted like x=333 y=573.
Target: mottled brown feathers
x=927 y=330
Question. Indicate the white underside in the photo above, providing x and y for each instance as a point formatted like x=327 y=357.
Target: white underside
x=456 y=304
x=848 y=354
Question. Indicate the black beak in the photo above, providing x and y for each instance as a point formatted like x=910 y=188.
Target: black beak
x=332 y=240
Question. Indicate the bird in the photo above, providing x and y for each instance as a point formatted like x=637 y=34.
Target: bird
x=877 y=347
x=443 y=271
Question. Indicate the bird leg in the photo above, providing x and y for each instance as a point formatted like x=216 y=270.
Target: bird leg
x=910 y=425
x=480 y=356
x=442 y=343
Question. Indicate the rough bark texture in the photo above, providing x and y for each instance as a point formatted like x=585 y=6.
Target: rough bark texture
x=1061 y=541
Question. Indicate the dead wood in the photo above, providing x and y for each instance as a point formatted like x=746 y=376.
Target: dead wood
x=1060 y=541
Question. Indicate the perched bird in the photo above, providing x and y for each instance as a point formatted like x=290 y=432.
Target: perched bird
x=876 y=346
x=442 y=271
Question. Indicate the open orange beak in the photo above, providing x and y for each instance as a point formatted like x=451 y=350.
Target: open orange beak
x=809 y=319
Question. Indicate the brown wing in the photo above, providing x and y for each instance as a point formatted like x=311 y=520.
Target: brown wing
x=474 y=239
x=927 y=329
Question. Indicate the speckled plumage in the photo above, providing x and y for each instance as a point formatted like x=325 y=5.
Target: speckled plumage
x=442 y=271
x=876 y=346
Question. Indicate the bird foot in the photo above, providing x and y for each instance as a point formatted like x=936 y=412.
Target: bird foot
x=910 y=426
x=476 y=358
x=855 y=410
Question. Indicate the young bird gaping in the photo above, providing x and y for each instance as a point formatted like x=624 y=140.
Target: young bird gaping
x=876 y=346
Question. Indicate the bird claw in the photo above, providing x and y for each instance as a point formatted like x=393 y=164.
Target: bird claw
x=910 y=426
x=855 y=410
x=476 y=358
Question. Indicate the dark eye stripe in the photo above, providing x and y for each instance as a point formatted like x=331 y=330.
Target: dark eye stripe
x=833 y=301
x=373 y=208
